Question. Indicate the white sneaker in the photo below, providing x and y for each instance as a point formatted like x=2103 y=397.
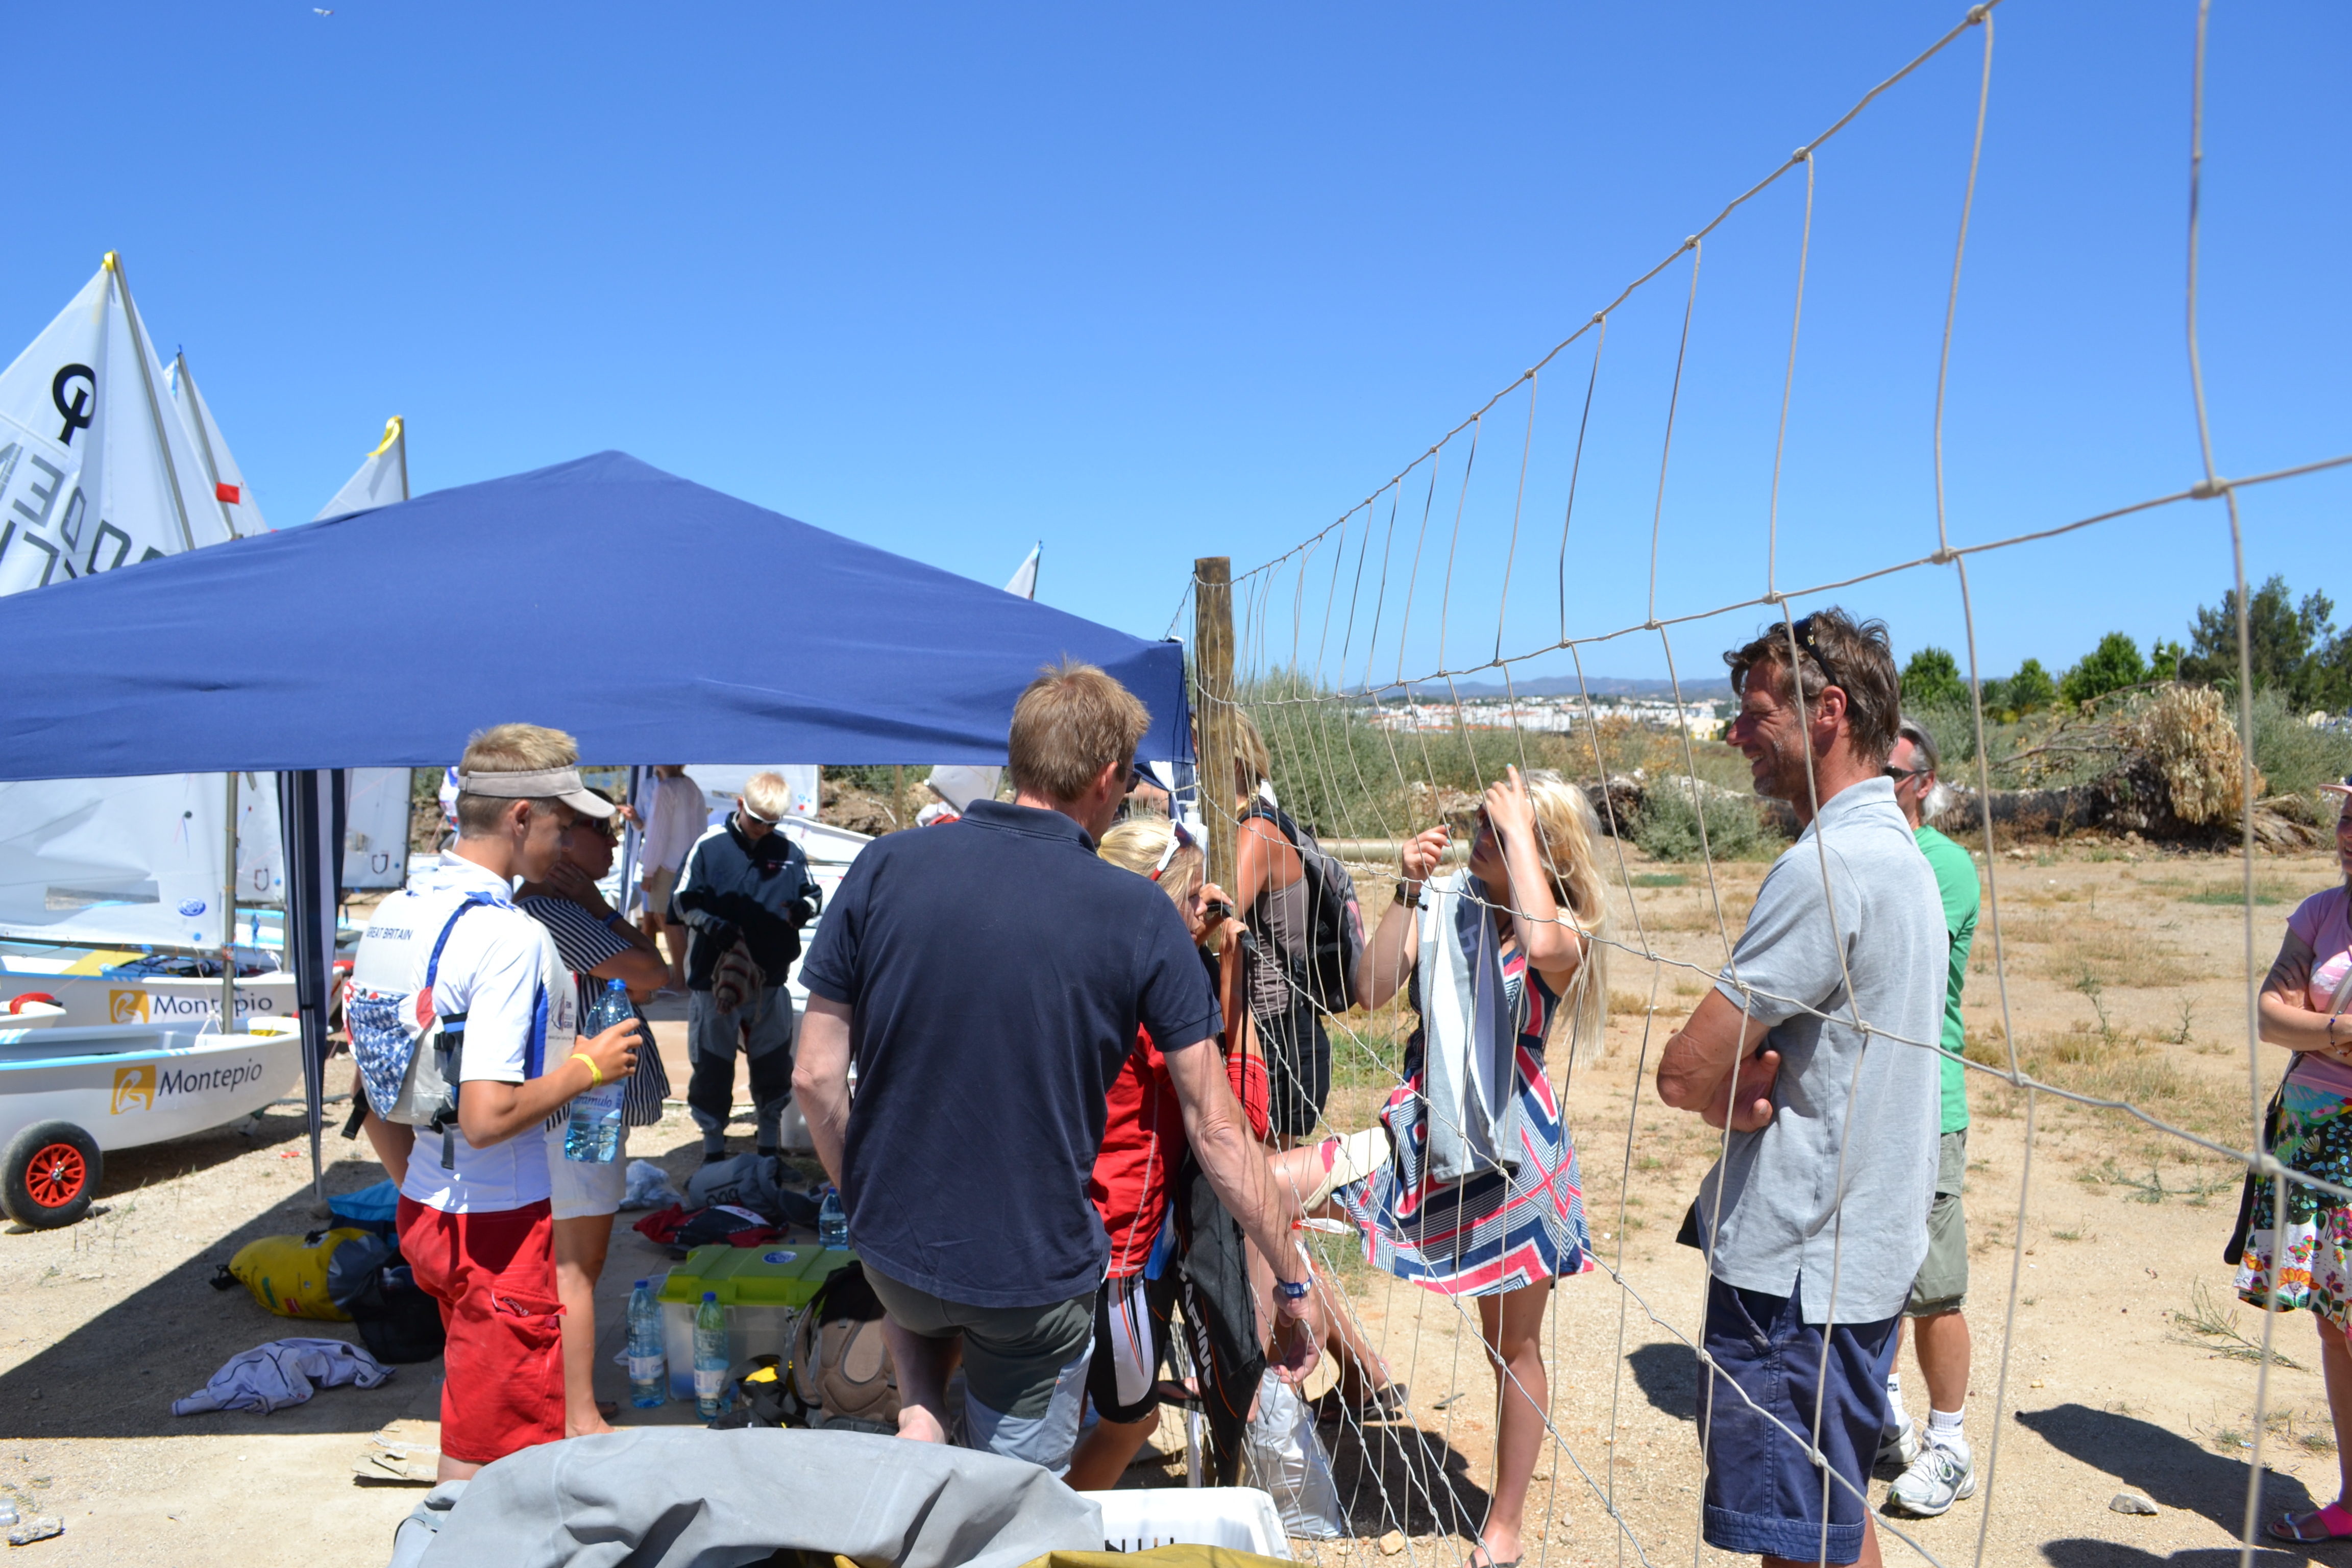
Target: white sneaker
x=1897 y=1448
x=1937 y=1479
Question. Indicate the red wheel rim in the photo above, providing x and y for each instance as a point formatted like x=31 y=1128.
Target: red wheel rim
x=55 y=1177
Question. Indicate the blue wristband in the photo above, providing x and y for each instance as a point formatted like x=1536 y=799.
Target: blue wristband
x=1290 y=1293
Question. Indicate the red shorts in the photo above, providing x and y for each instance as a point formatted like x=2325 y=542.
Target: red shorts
x=494 y=1275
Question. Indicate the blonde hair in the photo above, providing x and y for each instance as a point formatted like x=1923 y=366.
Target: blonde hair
x=1138 y=843
x=1253 y=763
x=1073 y=722
x=1566 y=830
x=510 y=749
x=768 y=795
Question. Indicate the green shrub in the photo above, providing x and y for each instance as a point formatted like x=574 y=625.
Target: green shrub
x=1736 y=828
x=2293 y=756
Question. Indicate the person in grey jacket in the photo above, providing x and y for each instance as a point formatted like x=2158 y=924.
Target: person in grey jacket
x=744 y=893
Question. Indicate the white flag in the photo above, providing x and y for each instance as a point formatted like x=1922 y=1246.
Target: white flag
x=97 y=469
x=383 y=478
x=226 y=479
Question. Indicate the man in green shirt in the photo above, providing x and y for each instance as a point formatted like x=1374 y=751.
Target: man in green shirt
x=1938 y=1470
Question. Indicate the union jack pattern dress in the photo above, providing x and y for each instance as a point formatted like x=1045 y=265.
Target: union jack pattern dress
x=1492 y=1232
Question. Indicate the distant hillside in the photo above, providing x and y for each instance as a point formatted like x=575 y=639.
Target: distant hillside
x=1557 y=685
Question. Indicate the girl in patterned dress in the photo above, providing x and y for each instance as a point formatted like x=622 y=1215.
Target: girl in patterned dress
x=2304 y=1008
x=1503 y=1230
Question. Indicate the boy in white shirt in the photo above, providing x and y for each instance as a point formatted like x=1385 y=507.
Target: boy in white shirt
x=477 y=1233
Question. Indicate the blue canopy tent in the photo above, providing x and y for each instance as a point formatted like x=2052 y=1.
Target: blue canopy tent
x=383 y=638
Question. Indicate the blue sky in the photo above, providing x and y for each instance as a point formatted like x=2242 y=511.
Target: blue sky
x=1147 y=284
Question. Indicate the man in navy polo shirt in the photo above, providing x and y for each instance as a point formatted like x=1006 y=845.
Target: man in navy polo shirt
x=988 y=977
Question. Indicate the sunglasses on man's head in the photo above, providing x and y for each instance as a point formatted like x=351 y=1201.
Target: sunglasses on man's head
x=1899 y=774
x=1804 y=633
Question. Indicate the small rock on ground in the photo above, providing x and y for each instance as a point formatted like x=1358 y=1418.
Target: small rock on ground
x=1392 y=1544
x=40 y=1527
x=2132 y=1502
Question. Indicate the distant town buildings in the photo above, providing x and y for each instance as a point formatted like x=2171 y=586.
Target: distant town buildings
x=1549 y=715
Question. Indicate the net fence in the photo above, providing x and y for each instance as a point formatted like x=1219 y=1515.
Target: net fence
x=1401 y=659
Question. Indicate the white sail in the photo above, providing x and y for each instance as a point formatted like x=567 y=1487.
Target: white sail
x=1024 y=579
x=381 y=479
x=961 y=785
x=101 y=467
x=132 y=860
x=229 y=488
x=97 y=468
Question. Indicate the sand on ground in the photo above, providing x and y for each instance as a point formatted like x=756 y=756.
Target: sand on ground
x=2127 y=1363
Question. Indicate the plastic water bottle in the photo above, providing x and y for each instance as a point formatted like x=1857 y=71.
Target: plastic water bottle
x=710 y=1357
x=831 y=1221
x=593 y=1135
x=648 y=1368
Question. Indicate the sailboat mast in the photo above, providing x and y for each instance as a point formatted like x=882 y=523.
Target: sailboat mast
x=204 y=441
x=113 y=264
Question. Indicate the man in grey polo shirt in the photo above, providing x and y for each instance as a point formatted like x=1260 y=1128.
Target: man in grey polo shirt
x=1817 y=1049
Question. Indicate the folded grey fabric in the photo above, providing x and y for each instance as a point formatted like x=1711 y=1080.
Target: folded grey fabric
x=677 y=1496
x=283 y=1372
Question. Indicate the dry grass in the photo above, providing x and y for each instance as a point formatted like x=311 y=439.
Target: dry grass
x=2069 y=946
x=2119 y=1067
x=1688 y=915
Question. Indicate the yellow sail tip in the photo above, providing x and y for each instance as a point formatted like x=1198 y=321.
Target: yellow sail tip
x=107 y=265
x=391 y=433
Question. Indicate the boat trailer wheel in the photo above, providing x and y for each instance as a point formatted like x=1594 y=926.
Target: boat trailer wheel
x=50 y=1171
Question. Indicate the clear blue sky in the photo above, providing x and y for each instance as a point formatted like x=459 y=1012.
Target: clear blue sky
x=1152 y=283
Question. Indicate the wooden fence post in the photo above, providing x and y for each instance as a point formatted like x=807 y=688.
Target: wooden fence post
x=1212 y=666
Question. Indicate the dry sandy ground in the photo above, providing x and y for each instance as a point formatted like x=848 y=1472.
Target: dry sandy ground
x=2119 y=1371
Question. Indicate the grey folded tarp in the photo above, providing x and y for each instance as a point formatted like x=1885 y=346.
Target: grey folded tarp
x=686 y=1497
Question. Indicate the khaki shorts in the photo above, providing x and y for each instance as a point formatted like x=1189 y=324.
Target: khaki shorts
x=1942 y=1285
x=1024 y=1367
x=585 y=1189
x=659 y=883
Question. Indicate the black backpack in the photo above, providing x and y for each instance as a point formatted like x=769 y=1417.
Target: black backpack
x=1326 y=972
x=397 y=1321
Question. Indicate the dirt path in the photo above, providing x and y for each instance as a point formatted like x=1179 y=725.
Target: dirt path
x=2123 y=977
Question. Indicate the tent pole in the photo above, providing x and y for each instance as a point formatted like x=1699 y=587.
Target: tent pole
x=404 y=458
x=229 y=917
x=632 y=837
x=154 y=410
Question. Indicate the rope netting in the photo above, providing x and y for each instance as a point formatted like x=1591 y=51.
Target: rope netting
x=1351 y=658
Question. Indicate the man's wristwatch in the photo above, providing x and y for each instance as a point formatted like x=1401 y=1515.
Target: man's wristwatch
x=1294 y=1293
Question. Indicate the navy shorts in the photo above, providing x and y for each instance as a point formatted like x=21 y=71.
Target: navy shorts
x=1764 y=1493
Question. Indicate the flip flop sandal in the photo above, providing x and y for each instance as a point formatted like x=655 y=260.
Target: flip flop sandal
x=2331 y=1524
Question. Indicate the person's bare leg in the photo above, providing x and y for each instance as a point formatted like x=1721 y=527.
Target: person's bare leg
x=1869 y=1557
x=1512 y=1325
x=2335 y=1366
x=923 y=1367
x=674 y=937
x=1942 y=1343
x=580 y=1247
x=1104 y=1452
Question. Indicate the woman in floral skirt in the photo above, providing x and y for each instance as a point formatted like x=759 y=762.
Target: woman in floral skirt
x=2304 y=1008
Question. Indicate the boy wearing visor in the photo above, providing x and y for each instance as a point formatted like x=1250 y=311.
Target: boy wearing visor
x=478 y=1231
